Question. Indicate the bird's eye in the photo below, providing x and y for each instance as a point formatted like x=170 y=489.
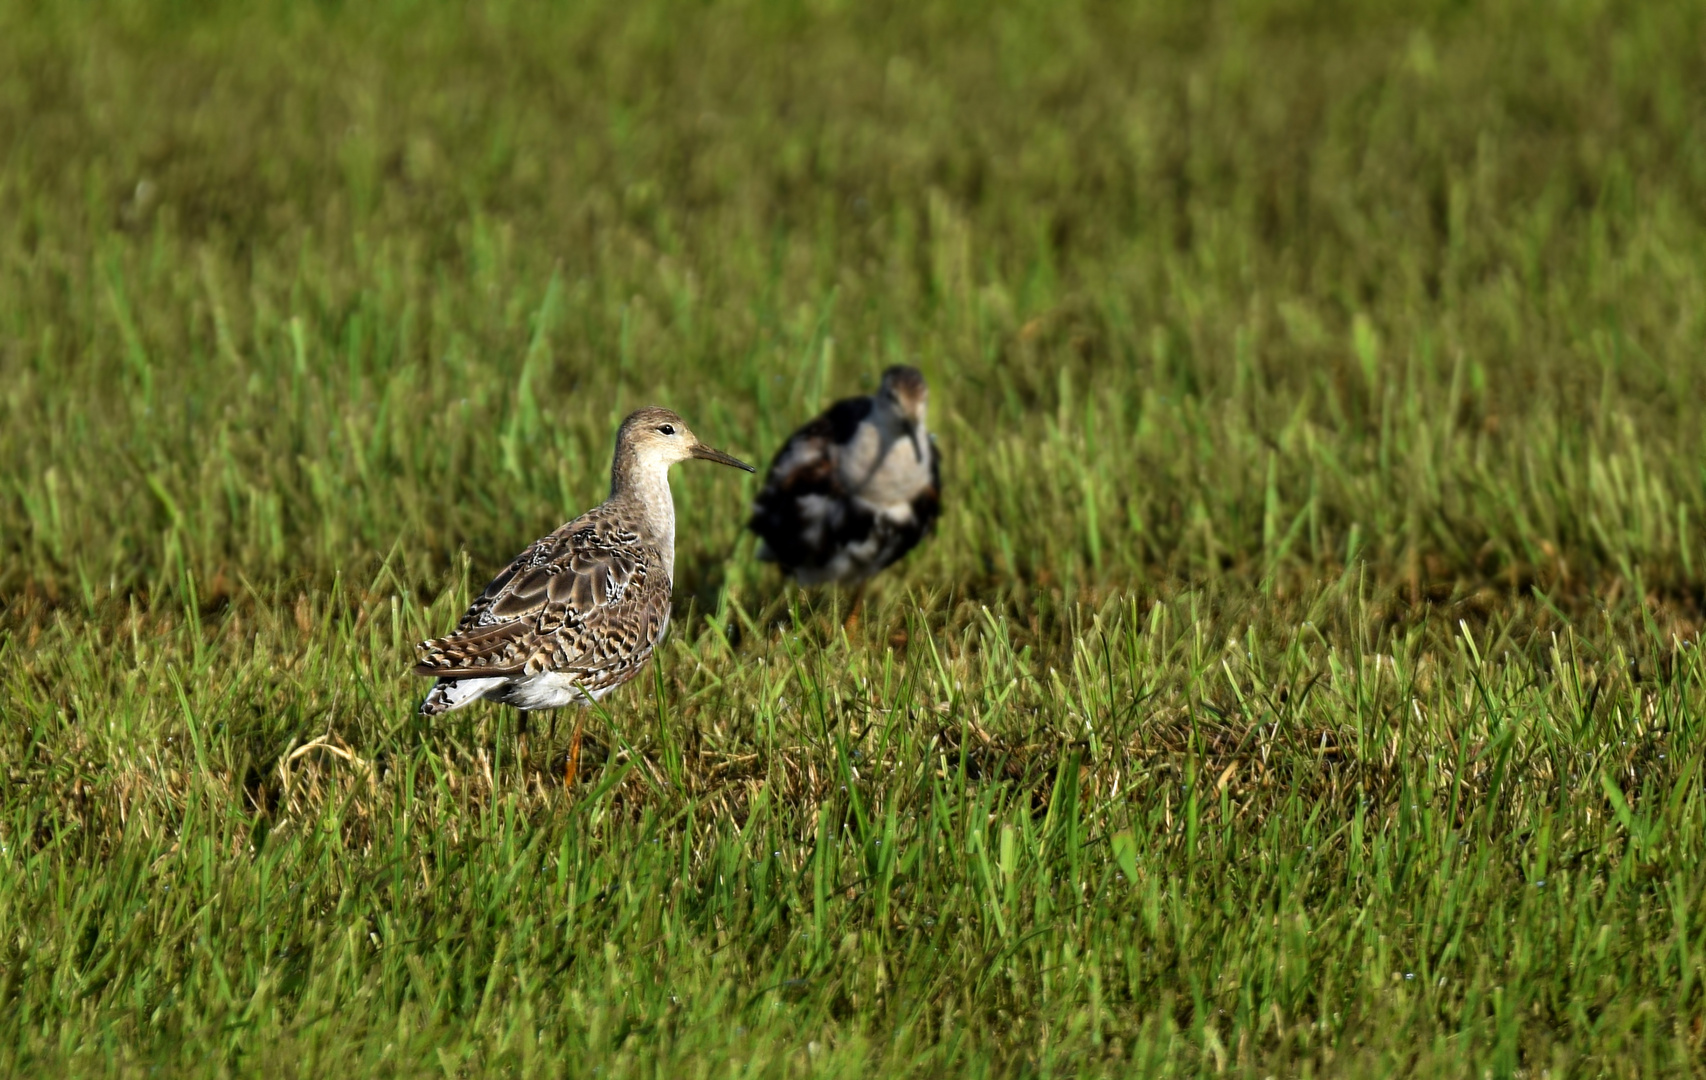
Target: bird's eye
x=667 y=429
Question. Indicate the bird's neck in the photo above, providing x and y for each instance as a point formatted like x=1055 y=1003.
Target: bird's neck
x=644 y=492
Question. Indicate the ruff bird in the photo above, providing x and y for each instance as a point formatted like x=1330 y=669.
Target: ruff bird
x=579 y=612
x=855 y=489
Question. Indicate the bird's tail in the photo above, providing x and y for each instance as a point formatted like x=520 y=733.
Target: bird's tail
x=448 y=695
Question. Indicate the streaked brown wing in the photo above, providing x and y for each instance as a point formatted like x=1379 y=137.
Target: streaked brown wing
x=499 y=649
x=616 y=638
x=549 y=610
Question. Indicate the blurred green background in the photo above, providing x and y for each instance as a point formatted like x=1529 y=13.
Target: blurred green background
x=288 y=284
x=1302 y=370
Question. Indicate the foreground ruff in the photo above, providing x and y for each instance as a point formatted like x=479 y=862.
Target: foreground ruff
x=855 y=489
x=577 y=614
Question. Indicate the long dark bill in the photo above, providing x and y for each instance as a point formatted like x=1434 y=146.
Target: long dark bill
x=700 y=450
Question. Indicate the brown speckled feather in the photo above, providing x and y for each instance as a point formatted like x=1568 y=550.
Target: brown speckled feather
x=580 y=611
x=588 y=600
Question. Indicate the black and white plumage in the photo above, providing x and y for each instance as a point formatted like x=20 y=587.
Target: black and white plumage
x=855 y=489
x=579 y=612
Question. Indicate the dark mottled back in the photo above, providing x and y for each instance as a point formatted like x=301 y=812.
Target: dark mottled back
x=812 y=524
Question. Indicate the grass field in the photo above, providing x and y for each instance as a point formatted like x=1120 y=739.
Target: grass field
x=1304 y=679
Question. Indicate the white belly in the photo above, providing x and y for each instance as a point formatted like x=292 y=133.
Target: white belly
x=885 y=471
x=546 y=690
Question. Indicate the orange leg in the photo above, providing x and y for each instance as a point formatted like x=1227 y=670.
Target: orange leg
x=572 y=770
x=851 y=623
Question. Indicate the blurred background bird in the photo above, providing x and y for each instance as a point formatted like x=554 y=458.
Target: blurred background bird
x=855 y=489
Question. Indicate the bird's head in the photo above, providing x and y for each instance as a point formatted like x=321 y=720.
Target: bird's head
x=653 y=438
x=905 y=395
